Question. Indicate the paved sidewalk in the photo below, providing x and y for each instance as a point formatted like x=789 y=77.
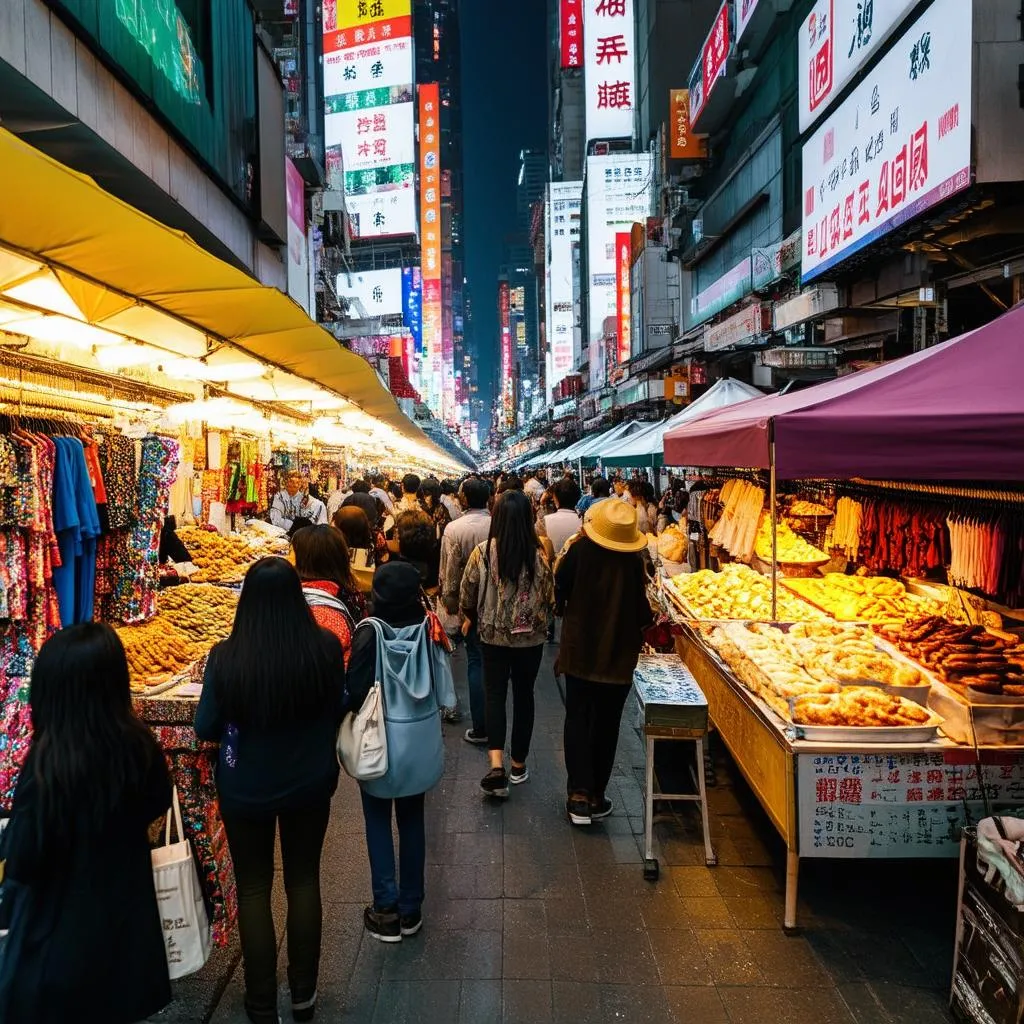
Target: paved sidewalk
x=528 y=921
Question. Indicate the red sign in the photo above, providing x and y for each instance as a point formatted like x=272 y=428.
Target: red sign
x=623 y=261
x=716 y=50
x=572 y=33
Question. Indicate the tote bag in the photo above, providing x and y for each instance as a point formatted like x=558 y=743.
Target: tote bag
x=180 y=899
x=362 y=740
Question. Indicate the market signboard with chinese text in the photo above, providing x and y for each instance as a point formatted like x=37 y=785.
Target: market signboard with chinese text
x=368 y=113
x=508 y=411
x=899 y=144
x=610 y=68
x=837 y=38
x=900 y=805
x=618 y=188
x=378 y=292
x=430 y=238
x=729 y=288
x=571 y=33
x=740 y=327
x=710 y=64
x=683 y=144
x=563 y=229
x=623 y=250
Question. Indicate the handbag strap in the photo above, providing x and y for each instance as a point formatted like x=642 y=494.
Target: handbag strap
x=174 y=813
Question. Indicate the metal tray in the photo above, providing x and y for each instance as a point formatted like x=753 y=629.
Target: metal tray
x=867 y=733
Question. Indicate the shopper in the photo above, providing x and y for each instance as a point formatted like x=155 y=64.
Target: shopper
x=636 y=495
x=273 y=697
x=413 y=767
x=293 y=507
x=601 y=590
x=599 y=490
x=507 y=595
x=449 y=496
x=430 y=497
x=410 y=494
x=379 y=490
x=325 y=568
x=86 y=939
x=563 y=523
x=461 y=537
x=352 y=523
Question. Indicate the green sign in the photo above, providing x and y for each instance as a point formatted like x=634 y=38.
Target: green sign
x=159 y=28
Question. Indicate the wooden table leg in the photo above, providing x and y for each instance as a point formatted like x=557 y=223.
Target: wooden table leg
x=792 y=876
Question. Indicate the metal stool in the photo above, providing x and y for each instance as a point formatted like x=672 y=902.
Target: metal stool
x=672 y=707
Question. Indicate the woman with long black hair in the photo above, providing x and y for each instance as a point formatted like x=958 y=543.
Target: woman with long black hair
x=273 y=697
x=86 y=940
x=508 y=595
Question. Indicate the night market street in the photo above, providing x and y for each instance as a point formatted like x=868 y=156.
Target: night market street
x=528 y=921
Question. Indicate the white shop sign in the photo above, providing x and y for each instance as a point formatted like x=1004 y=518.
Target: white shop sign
x=899 y=805
x=836 y=39
x=742 y=326
x=898 y=145
x=806 y=305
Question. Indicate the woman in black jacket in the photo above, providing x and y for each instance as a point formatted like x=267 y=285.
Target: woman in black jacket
x=273 y=697
x=86 y=941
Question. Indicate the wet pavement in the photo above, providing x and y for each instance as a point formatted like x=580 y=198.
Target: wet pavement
x=529 y=921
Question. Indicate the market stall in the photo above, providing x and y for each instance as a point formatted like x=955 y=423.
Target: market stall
x=860 y=648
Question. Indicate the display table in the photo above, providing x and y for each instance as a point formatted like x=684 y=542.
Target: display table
x=672 y=708
x=170 y=715
x=852 y=800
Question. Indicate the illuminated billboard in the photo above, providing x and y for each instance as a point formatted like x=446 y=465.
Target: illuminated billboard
x=430 y=239
x=508 y=410
x=623 y=250
x=609 y=45
x=369 y=129
x=563 y=229
x=371 y=294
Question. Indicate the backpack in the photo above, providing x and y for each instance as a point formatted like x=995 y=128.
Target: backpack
x=415 y=677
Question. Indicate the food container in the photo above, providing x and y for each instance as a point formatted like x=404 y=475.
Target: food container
x=918 y=694
x=988 y=725
x=790 y=570
x=867 y=733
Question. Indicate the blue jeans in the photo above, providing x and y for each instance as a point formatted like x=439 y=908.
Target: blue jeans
x=475 y=677
x=406 y=893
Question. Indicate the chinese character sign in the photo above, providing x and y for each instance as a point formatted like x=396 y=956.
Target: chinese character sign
x=836 y=40
x=507 y=382
x=571 y=33
x=430 y=233
x=563 y=231
x=412 y=301
x=899 y=144
x=710 y=64
x=623 y=263
x=683 y=144
x=610 y=68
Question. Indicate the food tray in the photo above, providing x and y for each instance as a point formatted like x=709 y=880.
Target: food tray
x=918 y=694
x=990 y=725
x=867 y=733
x=791 y=570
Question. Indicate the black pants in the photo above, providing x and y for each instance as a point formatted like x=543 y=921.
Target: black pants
x=593 y=712
x=251 y=842
x=521 y=665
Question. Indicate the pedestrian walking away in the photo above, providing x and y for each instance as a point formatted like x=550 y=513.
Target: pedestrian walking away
x=508 y=595
x=273 y=698
x=601 y=594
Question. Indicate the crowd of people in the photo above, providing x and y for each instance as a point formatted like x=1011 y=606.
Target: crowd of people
x=490 y=563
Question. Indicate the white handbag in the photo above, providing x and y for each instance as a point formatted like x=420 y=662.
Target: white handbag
x=180 y=900
x=362 y=740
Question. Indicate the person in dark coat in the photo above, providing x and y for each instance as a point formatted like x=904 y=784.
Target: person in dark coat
x=86 y=941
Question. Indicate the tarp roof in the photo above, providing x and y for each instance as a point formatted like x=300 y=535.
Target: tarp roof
x=120 y=255
x=645 y=447
x=952 y=412
x=590 y=447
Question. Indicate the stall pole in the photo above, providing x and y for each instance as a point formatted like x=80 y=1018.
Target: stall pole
x=579 y=463
x=774 y=514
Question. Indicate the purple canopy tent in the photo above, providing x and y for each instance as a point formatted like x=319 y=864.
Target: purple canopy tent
x=952 y=412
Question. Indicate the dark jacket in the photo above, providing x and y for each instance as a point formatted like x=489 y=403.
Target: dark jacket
x=91 y=943
x=602 y=598
x=264 y=771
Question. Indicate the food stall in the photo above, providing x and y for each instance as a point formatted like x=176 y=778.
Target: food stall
x=866 y=680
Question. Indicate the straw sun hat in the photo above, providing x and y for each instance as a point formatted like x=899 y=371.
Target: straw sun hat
x=612 y=525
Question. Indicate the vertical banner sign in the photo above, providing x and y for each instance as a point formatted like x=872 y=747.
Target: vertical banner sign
x=430 y=234
x=710 y=64
x=571 y=22
x=507 y=383
x=683 y=144
x=609 y=68
x=836 y=39
x=368 y=113
x=412 y=301
x=623 y=262
x=565 y=199
x=899 y=143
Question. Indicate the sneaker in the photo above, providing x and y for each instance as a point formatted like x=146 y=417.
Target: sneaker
x=578 y=809
x=601 y=809
x=383 y=925
x=411 y=923
x=478 y=739
x=495 y=783
x=304 y=1010
x=518 y=775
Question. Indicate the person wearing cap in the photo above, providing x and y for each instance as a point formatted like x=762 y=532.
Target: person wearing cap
x=600 y=592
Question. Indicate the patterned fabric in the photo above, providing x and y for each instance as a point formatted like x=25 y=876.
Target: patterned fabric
x=116 y=455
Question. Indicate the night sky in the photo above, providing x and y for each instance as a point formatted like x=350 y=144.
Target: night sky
x=504 y=110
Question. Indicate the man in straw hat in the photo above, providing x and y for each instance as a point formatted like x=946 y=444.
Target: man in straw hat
x=600 y=589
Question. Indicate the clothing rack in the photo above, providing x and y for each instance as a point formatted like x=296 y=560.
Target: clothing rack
x=944 y=491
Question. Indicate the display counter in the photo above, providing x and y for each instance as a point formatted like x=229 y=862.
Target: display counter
x=857 y=799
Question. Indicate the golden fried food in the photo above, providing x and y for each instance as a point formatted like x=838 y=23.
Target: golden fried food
x=222 y=559
x=790 y=546
x=155 y=650
x=861 y=707
x=738 y=592
x=204 y=612
x=870 y=599
x=808 y=508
